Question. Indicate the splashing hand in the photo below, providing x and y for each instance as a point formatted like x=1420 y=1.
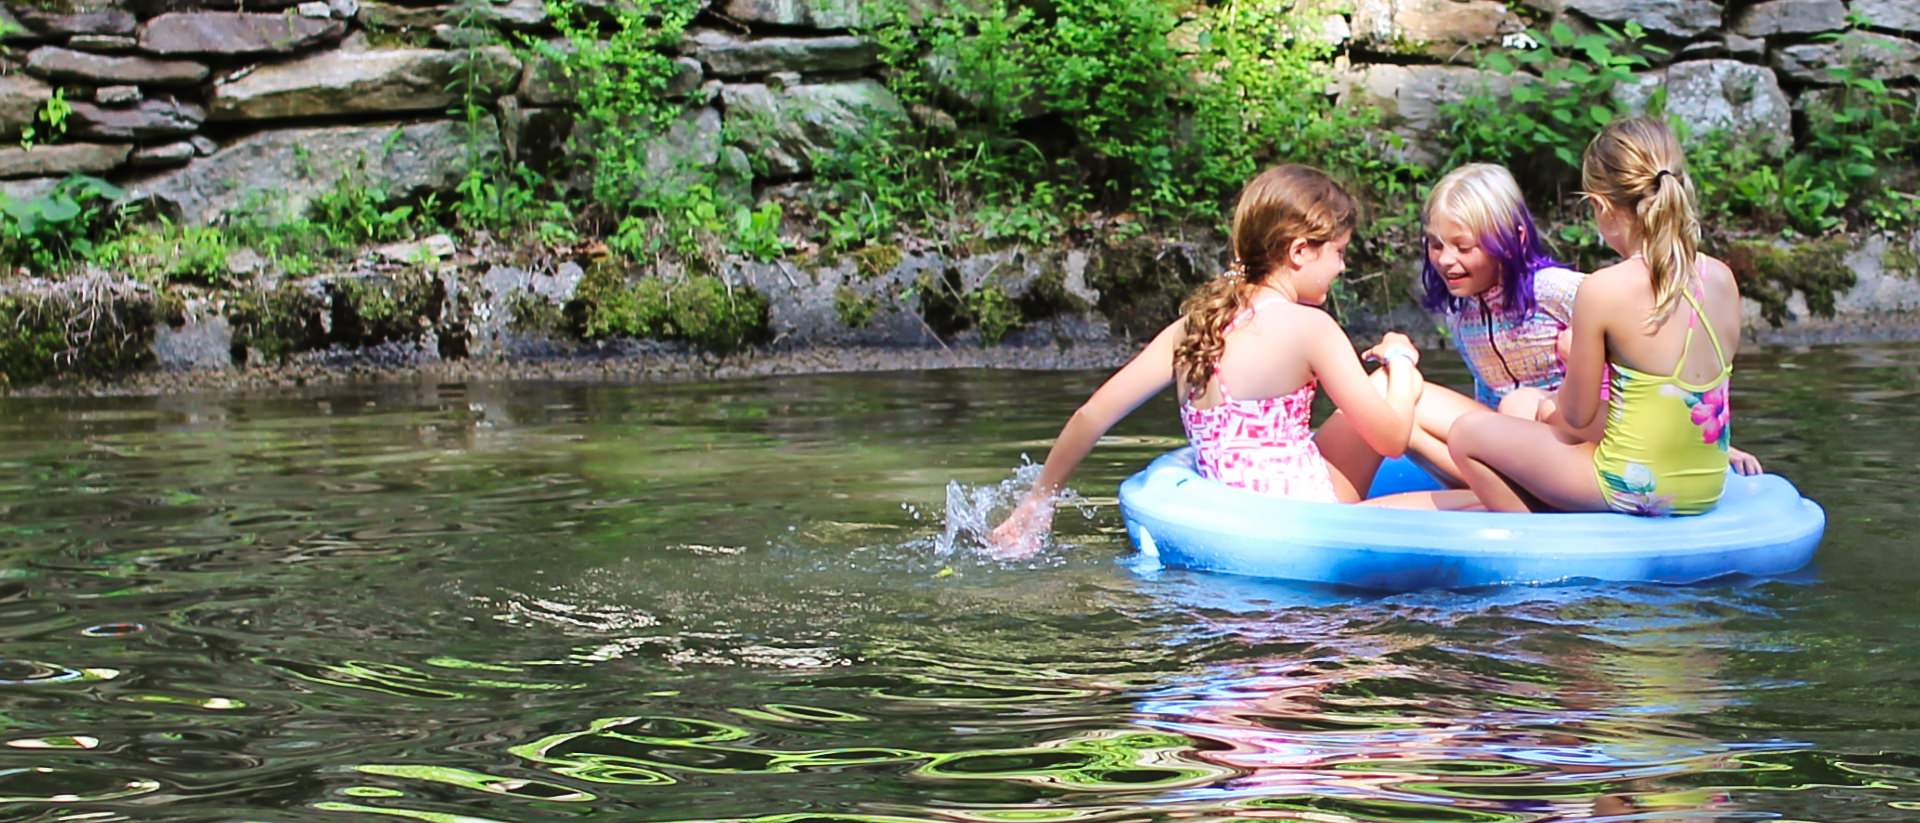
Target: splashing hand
x=1025 y=530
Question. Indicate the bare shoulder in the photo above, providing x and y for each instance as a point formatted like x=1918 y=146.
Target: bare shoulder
x=1174 y=333
x=1305 y=322
x=1718 y=276
x=1613 y=282
x=1625 y=270
x=1282 y=326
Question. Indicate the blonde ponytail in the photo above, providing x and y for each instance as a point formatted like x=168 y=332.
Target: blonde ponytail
x=1670 y=241
x=1637 y=165
x=1283 y=204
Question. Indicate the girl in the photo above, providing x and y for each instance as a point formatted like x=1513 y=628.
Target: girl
x=1664 y=450
x=1503 y=298
x=1507 y=306
x=1246 y=359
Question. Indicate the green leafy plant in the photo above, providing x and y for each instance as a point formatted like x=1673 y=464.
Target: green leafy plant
x=1851 y=168
x=49 y=123
x=60 y=228
x=756 y=232
x=618 y=71
x=1557 y=95
x=171 y=252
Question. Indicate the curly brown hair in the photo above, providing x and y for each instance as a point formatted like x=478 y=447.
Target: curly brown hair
x=1283 y=204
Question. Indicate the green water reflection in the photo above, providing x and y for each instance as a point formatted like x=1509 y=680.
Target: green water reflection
x=729 y=602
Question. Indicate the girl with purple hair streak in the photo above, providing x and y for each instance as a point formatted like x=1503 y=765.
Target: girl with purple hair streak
x=1506 y=303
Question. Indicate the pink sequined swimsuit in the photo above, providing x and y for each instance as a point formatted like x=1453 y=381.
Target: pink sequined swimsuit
x=1263 y=445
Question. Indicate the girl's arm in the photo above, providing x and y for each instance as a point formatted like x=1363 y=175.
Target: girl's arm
x=1385 y=423
x=1141 y=378
x=1579 y=397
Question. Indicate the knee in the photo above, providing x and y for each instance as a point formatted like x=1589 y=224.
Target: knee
x=1464 y=439
x=1523 y=403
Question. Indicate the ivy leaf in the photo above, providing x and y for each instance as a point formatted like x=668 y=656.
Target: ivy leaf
x=1561 y=33
x=59 y=209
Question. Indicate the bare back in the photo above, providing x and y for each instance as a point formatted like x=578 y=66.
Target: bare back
x=1265 y=355
x=1657 y=349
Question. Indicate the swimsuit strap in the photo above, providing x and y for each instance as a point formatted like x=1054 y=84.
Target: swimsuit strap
x=1700 y=316
x=1248 y=313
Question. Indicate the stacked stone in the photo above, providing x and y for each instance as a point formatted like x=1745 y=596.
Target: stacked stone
x=784 y=97
x=206 y=110
x=1734 y=66
x=139 y=89
x=207 y=104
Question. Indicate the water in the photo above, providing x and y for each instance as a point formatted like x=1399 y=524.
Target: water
x=731 y=601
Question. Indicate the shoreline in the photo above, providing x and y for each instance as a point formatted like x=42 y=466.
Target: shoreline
x=649 y=362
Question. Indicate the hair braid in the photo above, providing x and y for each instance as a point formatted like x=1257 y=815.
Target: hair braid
x=1283 y=204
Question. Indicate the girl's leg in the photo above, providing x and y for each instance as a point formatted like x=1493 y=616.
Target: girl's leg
x=1439 y=408
x=1433 y=417
x=1352 y=461
x=1534 y=404
x=1524 y=403
x=1451 y=500
x=1515 y=465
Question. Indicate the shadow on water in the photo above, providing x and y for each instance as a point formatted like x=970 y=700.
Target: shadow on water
x=742 y=601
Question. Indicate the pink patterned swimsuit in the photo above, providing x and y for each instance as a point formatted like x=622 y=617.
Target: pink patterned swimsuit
x=1263 y=445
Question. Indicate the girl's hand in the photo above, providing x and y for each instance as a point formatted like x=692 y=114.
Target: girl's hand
x=1391 y=343
x=1744 y=463
x=1023 y=531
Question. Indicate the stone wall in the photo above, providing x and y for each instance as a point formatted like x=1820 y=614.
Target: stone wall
x=1740 y=66
x=208 y=106
x=205 y=103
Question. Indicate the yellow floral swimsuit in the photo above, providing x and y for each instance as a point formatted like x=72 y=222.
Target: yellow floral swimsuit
x=1665 y=449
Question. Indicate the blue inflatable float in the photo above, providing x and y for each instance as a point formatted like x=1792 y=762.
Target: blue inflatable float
x=1761 y=527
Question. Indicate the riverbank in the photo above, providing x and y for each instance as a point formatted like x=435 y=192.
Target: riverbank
x=652 y=362
x=438 y=310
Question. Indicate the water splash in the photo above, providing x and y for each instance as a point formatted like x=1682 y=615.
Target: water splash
x=972 y=512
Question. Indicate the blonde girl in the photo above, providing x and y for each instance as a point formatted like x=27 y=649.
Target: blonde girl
x=1665 y=321
x=1504 y=300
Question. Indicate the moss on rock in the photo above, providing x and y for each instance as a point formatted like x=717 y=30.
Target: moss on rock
x=1141 y=284
x=273 y=323
x=992 y=312
x=82 y=332
x=948 y=307
x=1770 y=274
x=1901 y=259
x=876 y=260
x=532 y=314
x=854 y=309
x=370 y=310
x=700 y=309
